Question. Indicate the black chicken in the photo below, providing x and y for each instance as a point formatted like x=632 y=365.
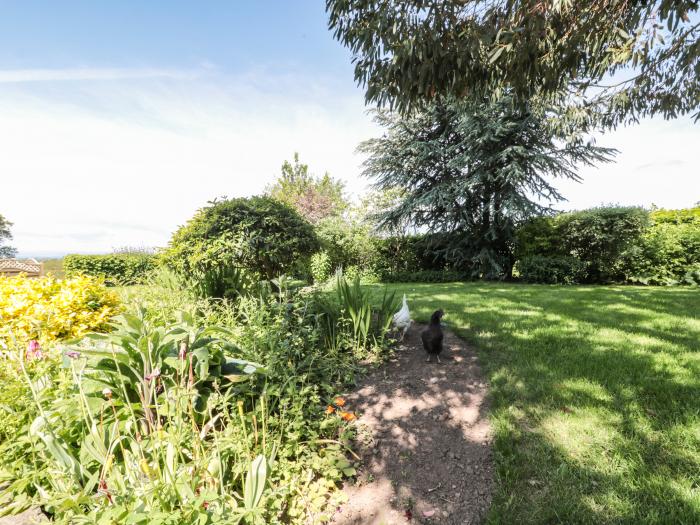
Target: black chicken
x=432 y=336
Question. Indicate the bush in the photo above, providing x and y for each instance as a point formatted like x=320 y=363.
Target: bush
x=426 y=276
x=352 y=247
x=116 y=269
x=539 y=236
x=347 y=243
x=684 y=216
x=410 y=254
x=668 y=253
x=320 y=267
x=259 y=235
x=49 y=309
x=365 y=275
x=172 y=422
x=551 y=270
x=598 y=237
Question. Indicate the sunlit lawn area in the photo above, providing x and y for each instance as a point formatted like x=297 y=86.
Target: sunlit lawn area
x=595 y=397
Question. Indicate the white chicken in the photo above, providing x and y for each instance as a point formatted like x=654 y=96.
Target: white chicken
x=402 y=318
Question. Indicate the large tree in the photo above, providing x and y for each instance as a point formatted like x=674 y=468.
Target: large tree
x=473 y=171
x=315 y=198
x=6 y=235
x=611 y=61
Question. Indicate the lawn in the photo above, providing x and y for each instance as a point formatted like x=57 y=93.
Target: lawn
x=595 y=397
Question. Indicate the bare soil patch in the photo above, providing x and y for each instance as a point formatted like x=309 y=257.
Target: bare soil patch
x=424 y=438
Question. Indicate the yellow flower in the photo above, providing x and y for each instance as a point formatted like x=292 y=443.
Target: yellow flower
x=145 y=467
x=48 y=309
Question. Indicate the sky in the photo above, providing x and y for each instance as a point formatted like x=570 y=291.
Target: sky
x=118 y=120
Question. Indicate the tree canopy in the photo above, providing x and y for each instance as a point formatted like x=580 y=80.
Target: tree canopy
x=473 y=171
x=609 y=61
x=315 y=198
x=6 y=235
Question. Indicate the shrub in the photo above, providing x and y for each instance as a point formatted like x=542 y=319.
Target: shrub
x=260 y=235
x=116 y=269
x=320 y=267
x=49 y=309
x=365 y=275
x=684 y=216
x=667 y=253
x=598 y=237
x=415 y=253
x=187 y=426
x=347 y=243
x=426 y=276
x=551 y=270
x=539 y=236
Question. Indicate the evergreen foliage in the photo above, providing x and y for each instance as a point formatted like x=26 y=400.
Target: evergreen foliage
x=474 y=171
x=6 y=235
x=115 y=268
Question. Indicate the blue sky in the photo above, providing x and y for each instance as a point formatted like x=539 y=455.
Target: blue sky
x=235 y=35
x=120 y=119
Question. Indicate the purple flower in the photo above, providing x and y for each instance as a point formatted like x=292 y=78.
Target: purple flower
x=73 y=354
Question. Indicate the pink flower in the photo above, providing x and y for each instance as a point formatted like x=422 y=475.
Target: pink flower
x=34 y=350
x=183 y=351
x=73 y=354
x=153 y=375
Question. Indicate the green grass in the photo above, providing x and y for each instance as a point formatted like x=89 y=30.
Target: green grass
x=595 y=397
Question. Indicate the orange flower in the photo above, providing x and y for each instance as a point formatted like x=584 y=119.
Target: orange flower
x=330 y=409
x=339 y=401
x=347 y=416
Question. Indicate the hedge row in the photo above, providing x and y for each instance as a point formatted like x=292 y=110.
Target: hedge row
x=116 y=269
x=611 y=245
x=426 y=276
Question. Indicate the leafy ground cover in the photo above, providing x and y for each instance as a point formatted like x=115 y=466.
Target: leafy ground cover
x=595 y=397
x=190 y=410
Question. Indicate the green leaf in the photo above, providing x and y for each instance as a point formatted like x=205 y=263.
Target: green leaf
x=255 y=483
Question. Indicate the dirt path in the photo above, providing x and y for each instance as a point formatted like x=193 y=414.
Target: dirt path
x=424 y=438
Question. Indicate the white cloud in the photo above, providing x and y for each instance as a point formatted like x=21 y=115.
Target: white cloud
x=657 y=165
x=108 y=161
x=125 y=162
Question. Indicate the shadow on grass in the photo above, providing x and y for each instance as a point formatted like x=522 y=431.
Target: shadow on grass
x=595 y=396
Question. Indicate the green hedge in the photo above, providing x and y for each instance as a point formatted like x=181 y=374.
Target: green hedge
x=353 y=246
x=551 y=270
x=410 y=254
x=613 y=245
x=684 y=216
x=426 y=276
x=668 y=253
x=116 y=269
